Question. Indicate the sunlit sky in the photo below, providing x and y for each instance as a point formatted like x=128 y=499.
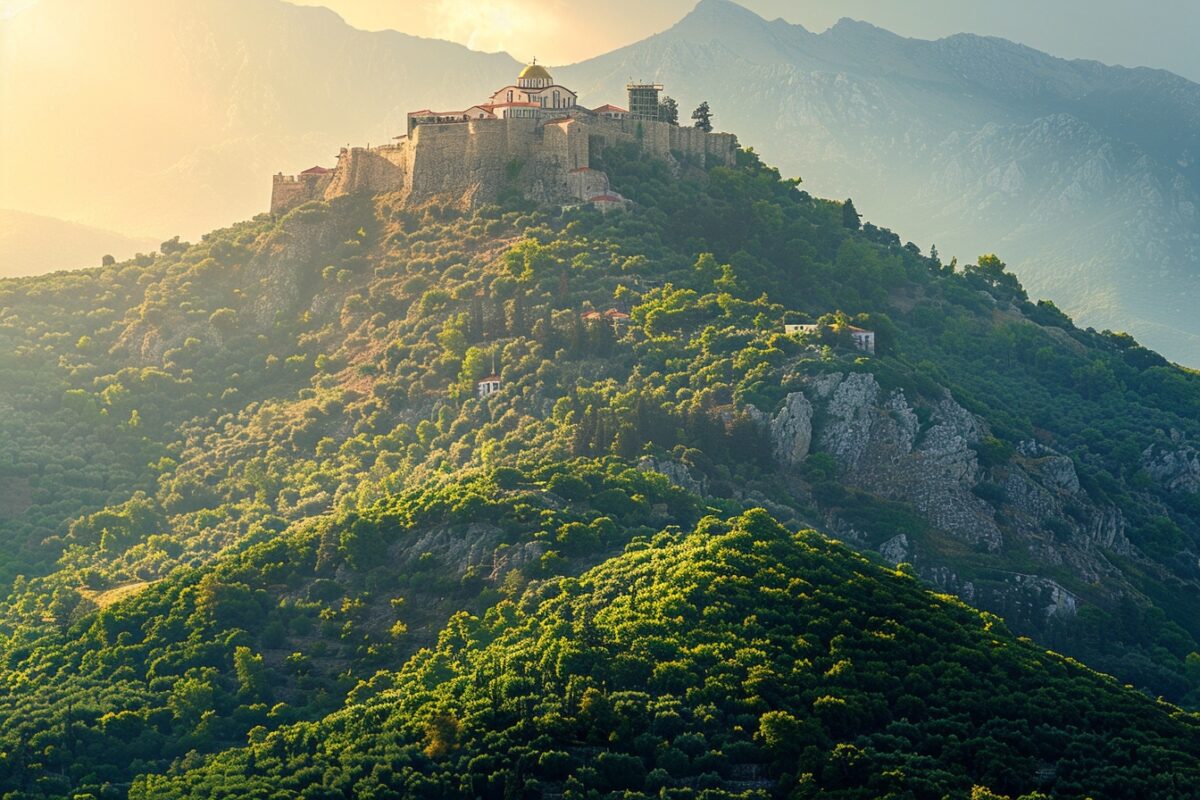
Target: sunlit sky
x=1157 y=33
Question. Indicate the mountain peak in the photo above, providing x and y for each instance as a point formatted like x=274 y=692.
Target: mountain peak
x=860 y=28
x=722 y=13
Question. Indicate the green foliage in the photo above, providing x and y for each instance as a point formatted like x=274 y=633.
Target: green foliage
x=704 y=657
x=221 y=465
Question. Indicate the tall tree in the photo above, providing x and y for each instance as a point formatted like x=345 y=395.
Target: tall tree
x=668 y=110
x=850 y=216
x=703 y=117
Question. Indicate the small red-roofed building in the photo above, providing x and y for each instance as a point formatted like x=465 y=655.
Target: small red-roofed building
x=611 y=111
x=607 y=202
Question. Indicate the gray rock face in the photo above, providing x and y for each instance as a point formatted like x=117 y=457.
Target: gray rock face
x=879 y=448
x=676 y=472
x=1177 y=468
x=1054 y=469
x=1058 y=602
x=282 y=277
x=895 y=549
x=474 y=548
x=883 y=446
x=283 y=274
x=791 y=430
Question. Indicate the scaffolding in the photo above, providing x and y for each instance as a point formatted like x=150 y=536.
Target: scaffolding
x=643 y=100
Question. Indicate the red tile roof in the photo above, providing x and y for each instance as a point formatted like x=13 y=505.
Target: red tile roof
x=317 y=171
x=610 y=107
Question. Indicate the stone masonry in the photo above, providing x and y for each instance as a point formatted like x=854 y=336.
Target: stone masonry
x=471 y=163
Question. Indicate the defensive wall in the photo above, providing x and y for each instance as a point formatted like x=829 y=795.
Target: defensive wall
x=472 y=162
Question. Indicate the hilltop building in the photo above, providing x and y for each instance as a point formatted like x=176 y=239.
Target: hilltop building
x=531 y=134
x=643 y=100
x=863 y=339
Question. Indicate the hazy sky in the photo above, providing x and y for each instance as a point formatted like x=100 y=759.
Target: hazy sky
x=1157 y=33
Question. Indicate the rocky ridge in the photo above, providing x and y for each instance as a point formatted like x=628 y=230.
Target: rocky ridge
x=925 y=454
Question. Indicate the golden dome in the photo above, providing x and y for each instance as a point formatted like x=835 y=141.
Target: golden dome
x=535 y=71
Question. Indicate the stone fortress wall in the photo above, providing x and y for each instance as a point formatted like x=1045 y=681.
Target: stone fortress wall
x=472 y=162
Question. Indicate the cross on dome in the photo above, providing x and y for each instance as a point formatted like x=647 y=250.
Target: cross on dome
x=534 y=76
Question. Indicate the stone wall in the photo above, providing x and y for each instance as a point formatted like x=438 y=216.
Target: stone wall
x=471 y=163
x=665 y=140
x=289 y=191
x=375 y=169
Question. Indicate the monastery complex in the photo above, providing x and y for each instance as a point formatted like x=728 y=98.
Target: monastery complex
x=532 y=134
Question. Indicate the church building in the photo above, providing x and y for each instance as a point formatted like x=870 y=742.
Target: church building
x=534 y=93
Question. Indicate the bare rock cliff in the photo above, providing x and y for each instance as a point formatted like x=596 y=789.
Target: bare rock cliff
x=925 y=454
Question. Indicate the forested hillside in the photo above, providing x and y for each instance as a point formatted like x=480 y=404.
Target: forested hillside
x=247 y=479
x=738 y=660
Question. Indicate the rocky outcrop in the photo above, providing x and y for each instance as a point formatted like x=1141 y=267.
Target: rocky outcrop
x=1053 y=468
x=895 y=549
x=880 y=447
x=281 y=277
x=284 y=270
x=677 y=473
x=926 y=457
x=1175 y=467
x=791 y=430
x=471 y=549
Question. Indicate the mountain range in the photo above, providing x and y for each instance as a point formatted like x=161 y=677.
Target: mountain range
x=1082 y=176
x=31 y=244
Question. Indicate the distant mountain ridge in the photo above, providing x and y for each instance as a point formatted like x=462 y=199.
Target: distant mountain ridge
x=215 y=97
x=1082 y=176
x=31 y=244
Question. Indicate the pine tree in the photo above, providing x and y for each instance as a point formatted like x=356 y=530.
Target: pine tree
x=703 y=117
x=850 y=216
x=668 y=110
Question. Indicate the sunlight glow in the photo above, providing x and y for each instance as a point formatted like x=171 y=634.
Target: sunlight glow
x=495 y=25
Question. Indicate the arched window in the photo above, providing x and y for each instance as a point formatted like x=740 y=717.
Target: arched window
x=510 y=95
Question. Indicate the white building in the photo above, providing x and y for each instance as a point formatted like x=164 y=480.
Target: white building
x=487 y=385
x=863 y=339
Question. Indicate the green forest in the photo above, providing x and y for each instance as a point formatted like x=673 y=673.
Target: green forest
x=263 y=538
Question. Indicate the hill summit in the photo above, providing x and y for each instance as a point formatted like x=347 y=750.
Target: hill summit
x=531 y=136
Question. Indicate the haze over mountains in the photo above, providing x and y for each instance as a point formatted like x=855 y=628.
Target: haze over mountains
x=1081 y=176
x=31 y=244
